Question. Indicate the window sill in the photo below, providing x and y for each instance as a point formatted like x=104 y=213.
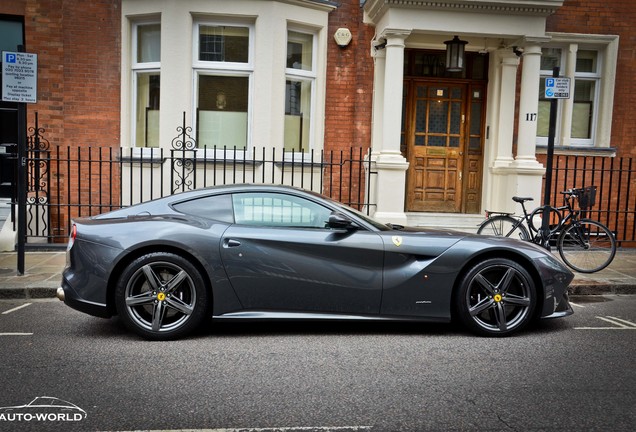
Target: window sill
x=578 y=151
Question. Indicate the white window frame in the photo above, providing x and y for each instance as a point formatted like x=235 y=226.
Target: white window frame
x=137 y=68
x=306 y=76
x=606 y=47
x=230 y=69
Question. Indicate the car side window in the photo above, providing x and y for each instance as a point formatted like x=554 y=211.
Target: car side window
x=215 y=207
x=278 y=210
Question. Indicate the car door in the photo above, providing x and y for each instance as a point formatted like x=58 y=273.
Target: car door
x=281 y=256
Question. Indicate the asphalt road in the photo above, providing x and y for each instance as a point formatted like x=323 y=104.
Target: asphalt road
x=574 y=374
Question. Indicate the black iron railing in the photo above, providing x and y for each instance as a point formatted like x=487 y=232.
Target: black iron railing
x=68 y=182
x=93 y=180
x=615 y=179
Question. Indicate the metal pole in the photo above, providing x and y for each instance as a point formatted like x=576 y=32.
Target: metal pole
x=547 y=198
x=22 y=179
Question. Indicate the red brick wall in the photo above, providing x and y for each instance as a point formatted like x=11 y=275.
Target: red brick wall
x=615 y=17
x=78 y=46
x=349 y=94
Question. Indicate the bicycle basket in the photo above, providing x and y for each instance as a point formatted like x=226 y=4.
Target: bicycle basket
x=586 y=197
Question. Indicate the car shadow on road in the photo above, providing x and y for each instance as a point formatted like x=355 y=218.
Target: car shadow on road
x=114 y=328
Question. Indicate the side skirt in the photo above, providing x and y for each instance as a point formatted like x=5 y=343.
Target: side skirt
x=304 y=316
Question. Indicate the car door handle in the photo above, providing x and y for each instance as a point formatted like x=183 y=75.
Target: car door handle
x=230 y=243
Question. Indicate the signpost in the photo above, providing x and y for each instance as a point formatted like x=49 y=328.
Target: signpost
x=20 y=84
x=555 y=88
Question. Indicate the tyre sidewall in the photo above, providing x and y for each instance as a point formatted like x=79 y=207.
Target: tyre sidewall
x=200 y=306
x=462 y=306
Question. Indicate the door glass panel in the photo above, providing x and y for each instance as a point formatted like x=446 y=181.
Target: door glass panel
x=421 y=91
x=475 y=143
x=453 y=142
x=456 y=93
x=456 y=117
x=420 y=116
x=437 y=141
x=438 y=118
x=475 y=118
x=419 y=140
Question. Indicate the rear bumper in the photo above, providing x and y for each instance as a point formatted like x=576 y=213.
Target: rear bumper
x=68 y=295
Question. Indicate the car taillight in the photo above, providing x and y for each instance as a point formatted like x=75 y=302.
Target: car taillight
x=71 y=238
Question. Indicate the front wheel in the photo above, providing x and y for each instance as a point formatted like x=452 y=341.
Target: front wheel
x=503 y=226
x=161 y=296
x=587 y=246
x=497 y=297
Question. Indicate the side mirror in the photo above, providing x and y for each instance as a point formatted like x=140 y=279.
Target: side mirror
x=340 y=221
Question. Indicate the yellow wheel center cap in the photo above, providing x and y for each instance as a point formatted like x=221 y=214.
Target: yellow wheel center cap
x=497 y=298
x=161 y=296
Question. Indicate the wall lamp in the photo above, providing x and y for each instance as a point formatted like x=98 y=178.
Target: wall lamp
x=455 y=54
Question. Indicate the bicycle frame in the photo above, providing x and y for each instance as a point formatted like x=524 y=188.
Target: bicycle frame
x=564 y=219
x=584 y=244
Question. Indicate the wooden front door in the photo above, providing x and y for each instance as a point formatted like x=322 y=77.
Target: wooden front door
x=442 y=135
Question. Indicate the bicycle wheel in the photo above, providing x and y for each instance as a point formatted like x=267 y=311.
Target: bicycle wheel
x=503 y=226
x=587 y=246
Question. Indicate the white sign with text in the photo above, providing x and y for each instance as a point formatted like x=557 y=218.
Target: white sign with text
x=19 y=77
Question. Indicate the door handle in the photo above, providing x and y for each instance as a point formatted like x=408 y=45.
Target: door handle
x=230 y=243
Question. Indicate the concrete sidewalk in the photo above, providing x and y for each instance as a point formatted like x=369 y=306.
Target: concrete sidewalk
x=43 y=271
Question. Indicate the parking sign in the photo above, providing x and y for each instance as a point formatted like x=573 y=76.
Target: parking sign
x=19 y=77
x=557 y=88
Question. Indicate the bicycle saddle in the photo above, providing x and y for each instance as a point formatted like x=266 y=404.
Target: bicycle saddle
x=522 y=199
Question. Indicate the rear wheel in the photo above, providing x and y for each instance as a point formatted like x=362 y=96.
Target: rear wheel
x=587 y=246
x=496 y=297
x=503 y=226
x=161 y=296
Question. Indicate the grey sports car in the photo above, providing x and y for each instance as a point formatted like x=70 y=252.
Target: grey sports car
x=274 y=252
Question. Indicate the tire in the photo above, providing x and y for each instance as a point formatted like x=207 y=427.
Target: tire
x=161 y=296
x=502 y=226
x=587 y=246
x=497 y=297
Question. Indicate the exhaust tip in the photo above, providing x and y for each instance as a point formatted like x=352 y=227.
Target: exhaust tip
x=60 y=293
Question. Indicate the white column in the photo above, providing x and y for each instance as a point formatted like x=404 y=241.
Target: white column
x=503 y=133
x=528 y=107
x=379 y=56
x=390 y=165
x=393 y=88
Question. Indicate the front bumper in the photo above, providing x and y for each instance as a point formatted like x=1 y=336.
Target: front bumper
x=562 y=307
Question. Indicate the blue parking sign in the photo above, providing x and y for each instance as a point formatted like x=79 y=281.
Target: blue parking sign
x=557 y=88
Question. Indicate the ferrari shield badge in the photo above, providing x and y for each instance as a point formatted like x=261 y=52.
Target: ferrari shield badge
x=397 y=240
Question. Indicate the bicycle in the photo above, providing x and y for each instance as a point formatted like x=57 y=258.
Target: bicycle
x=585 y=245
